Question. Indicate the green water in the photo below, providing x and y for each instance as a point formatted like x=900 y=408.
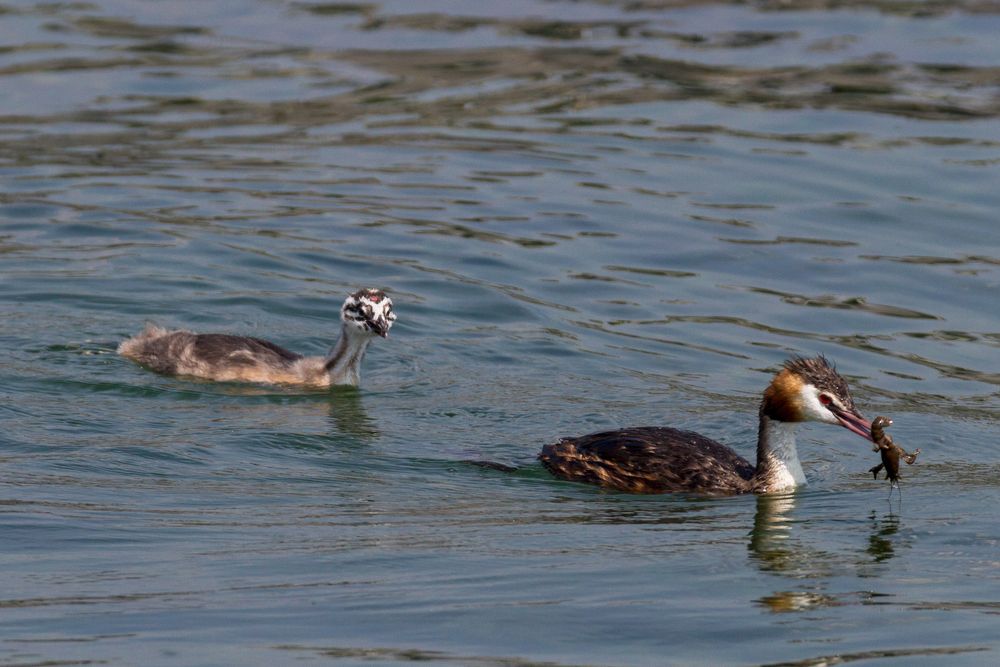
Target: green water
x=589 y=215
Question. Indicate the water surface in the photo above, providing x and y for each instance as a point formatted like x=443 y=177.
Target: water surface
x=589 y=215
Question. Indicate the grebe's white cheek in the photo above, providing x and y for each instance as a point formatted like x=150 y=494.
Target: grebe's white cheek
x=813 y=409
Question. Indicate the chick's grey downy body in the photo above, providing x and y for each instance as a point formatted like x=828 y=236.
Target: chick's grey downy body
x=224 y=357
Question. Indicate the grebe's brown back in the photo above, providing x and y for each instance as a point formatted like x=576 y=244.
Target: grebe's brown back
x=365 y=314
x=664 y=460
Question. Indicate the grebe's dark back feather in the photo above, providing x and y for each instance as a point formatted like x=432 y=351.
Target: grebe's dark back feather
x=650 y=459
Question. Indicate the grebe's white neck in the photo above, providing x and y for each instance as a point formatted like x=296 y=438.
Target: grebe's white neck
x=343 y=363
x=778 y=466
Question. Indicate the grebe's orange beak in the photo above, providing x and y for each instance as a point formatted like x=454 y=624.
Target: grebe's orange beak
x=853 y=421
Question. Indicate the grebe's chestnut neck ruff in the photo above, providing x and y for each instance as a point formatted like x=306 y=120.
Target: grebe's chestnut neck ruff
x=365 y=314
x=664 y=460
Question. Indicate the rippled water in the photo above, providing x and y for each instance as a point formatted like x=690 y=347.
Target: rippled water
x=589 y=215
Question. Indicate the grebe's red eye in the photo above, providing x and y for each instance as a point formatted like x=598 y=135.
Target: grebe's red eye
x=825 y=399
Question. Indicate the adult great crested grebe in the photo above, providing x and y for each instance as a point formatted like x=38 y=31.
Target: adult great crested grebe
x=666 y=460
x=365 y=314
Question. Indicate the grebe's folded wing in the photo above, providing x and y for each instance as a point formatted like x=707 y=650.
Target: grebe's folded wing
x=649 y=460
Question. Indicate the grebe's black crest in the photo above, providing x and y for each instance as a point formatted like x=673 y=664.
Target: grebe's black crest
x=819 y=372
x=661 y=459
x=365 y=314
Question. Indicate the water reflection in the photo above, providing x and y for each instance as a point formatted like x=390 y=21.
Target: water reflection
x=781 y=602
x=776 y=549
x=276 y=406
x=880 y=542
x=348 y=414
x=772 y=547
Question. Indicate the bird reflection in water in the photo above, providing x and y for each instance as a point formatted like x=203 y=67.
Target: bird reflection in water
x=348 y=414
x=880 y=542
x=771 y=545
x=776 y=550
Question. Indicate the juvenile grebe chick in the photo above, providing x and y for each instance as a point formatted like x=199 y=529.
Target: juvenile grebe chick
x=666 y=460
x=365 y=314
